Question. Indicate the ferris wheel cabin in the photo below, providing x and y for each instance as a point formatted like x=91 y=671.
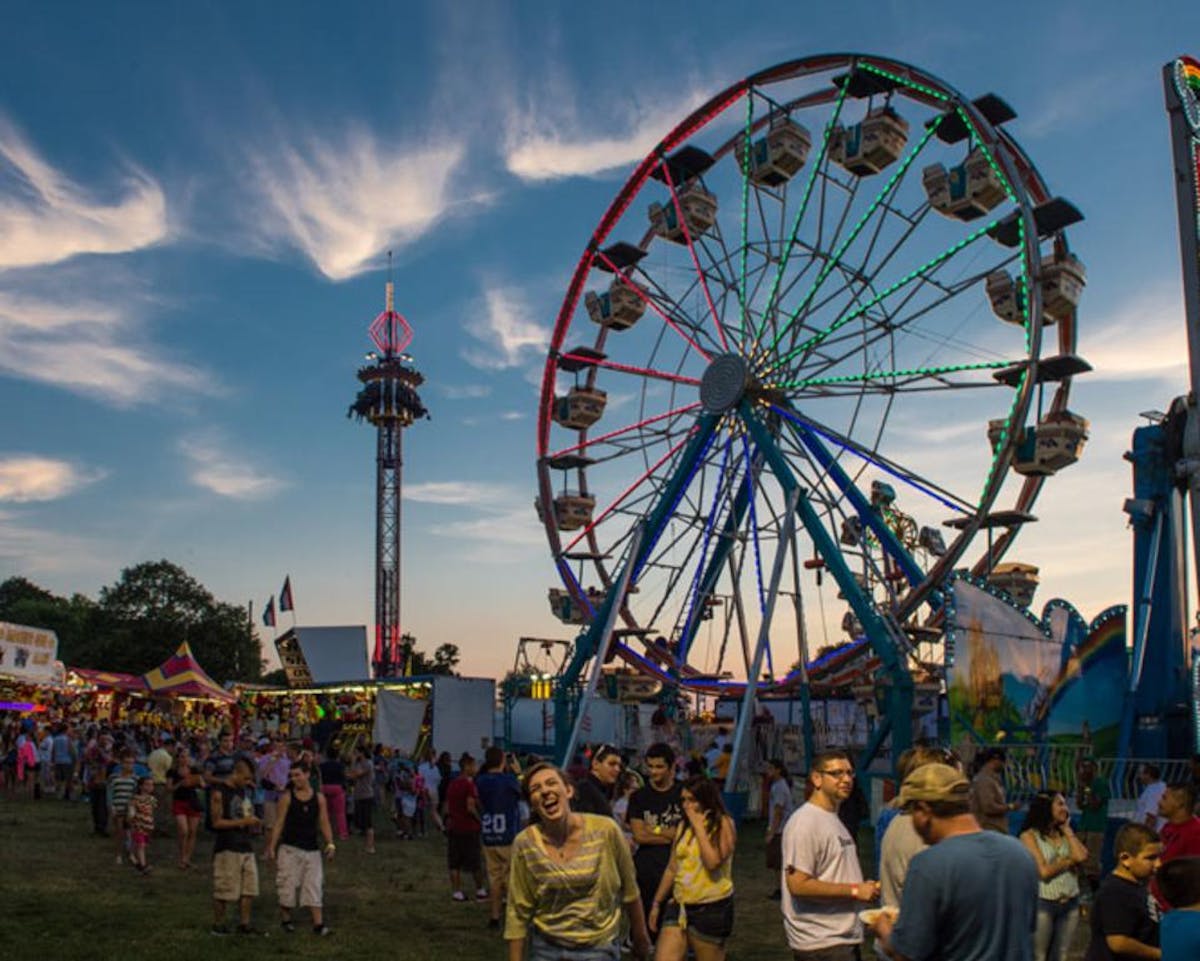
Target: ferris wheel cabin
x=580 y=408
x=619 y=307
x=1063 y=280
x=966 y=191
x=1056 y=442
x=867 y=147
x=1018 y=580
x=773 y=160
x=699 y=209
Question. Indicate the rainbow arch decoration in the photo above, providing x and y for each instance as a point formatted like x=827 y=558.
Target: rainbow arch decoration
x=1013 y=676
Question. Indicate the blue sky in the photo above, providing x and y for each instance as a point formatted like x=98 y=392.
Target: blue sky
x=195 y=205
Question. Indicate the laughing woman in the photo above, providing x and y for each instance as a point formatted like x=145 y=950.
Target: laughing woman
x=571 y=878
x=693 y=906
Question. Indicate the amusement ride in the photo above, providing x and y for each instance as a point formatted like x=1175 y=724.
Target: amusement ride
x=824 y=335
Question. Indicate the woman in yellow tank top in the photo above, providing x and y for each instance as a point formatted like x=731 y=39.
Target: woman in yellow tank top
x=693 y=906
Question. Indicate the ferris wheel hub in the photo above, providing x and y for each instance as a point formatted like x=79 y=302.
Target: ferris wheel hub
x=725 y=382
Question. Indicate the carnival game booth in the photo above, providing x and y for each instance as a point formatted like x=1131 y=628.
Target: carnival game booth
x=405 y=714
x=194 y=699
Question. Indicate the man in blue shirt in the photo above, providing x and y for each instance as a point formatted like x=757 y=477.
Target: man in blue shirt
x=499 y=802
x=972 y=896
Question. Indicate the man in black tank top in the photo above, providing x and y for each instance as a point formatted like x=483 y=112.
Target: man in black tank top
x=301 y=816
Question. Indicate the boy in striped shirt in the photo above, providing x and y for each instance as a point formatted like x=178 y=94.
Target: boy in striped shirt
x=121 y=788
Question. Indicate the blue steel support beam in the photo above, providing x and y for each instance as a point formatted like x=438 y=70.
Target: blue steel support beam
x=886 y=536
x=899 y=699
x=725 y=542
x=594 y=641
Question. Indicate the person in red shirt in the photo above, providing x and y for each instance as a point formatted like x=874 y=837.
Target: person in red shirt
x=1181 y=834
x=463 y=826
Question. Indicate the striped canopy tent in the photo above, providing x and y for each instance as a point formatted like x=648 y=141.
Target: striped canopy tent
x=111 y=680
x=181 y=675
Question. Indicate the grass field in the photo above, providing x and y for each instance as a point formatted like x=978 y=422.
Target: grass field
x=62 y=897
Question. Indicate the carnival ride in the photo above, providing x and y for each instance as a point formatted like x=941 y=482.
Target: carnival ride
x=389 y=402
x=837 y=286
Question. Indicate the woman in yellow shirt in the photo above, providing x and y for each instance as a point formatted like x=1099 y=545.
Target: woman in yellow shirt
x=699 y=880
x=570 y=879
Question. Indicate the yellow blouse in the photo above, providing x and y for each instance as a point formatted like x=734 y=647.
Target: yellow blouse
x=694 y=883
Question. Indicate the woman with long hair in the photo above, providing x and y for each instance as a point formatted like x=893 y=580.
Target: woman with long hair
x=571 y=878
x=1058 y=852
x=184 y=781
x=693 y=906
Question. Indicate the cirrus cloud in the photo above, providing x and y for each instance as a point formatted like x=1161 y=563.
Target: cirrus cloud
x=29 y=477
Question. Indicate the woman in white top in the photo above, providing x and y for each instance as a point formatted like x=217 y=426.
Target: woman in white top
x=1058 y=852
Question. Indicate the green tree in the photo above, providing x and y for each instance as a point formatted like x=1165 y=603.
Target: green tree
x=73 y=619
x=155 y=606
x=445 y=659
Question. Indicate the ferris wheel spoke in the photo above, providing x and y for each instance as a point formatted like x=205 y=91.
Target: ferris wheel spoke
x=652 y=304
x=903 y=282
x=628 y=491
x=947 y=498
x=892 y=183
x=630 y=369
x=820 y=159
x=687 y=236
x=610 y=435
x=907 y=376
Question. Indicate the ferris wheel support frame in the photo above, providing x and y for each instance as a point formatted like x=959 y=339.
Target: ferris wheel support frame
x=885 y=639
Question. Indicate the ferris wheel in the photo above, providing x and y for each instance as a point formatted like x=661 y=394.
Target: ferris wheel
x=821 y=340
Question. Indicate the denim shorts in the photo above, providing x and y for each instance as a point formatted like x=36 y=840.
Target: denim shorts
x=540 y=949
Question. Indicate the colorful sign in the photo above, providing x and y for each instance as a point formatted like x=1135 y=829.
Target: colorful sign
x=27 y=652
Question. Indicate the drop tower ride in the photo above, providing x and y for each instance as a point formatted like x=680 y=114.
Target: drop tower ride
x=389 y=401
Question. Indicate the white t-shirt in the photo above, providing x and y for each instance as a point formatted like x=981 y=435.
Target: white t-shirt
x=780 y=796
x=432 y=776
x=1147 y=803
x=816 y=842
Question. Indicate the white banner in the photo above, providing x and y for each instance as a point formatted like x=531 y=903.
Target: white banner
x=398 y=720
x=27 y=652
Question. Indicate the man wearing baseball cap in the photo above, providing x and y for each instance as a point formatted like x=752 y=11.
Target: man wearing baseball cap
x=972 y=896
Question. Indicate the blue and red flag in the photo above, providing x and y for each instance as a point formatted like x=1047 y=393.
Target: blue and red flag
x=285 y=596
x=269 y=612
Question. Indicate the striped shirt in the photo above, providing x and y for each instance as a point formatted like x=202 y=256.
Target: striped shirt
x=577 y=903
x=121 y=789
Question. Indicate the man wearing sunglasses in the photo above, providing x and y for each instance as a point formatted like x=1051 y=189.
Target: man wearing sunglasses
x=822 y=880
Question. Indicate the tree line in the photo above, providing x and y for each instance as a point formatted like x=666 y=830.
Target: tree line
x=137 y=622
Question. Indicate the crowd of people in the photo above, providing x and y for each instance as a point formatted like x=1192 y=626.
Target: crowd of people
x=636 y=853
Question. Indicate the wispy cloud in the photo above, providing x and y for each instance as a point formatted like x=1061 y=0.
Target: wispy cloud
x=28 y=477
x=45 y=217
x=36 y=550
x=345 y=198
x=214 y=467
x=541 y=147
x=455 y=492
x=464 y=391
x=515 y=526
x=508 y=335
x=1156 y=315
x=87 y=342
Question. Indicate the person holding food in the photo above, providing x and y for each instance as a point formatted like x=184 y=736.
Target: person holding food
x=972 y=896
x=822 y=879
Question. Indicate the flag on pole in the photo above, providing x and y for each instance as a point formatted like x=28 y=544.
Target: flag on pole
x=269 y=612
x=285 y=595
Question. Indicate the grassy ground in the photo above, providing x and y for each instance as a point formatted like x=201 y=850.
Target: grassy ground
x=63 y=897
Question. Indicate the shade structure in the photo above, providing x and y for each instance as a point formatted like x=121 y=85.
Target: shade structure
x=181 y=675
x=112 y=680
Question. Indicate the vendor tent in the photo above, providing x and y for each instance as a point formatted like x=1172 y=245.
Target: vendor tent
x=181 y=675
x=111 y=680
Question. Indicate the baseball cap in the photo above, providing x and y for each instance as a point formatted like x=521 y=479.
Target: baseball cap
x=934 y=782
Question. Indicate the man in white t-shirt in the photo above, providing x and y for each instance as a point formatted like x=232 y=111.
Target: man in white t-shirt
x=1147 y=802
x=822 y=880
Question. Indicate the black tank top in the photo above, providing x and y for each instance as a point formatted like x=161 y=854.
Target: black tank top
x=300 y=825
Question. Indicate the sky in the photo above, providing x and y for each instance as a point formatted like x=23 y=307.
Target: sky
x=196 y=204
